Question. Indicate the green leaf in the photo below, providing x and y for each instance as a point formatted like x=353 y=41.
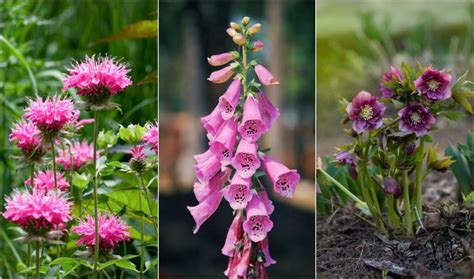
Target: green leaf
x=67 y=264
x=112 y=262
x=453 y=115
x=125 y=134
x=460 y=169
x=126 y=265
x=81 y=180
x=107 y=139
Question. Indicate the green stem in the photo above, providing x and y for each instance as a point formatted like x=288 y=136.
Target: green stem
x=245 y=70
x=37 y=260
x=419 y=178
x=54 y=164
x=407 y=220
x=149 y=203
x=94 y=183
x=142 y=238
x=392 y=212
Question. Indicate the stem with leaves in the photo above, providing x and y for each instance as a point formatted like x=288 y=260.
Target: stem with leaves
x=95 y=198
x=419 y=177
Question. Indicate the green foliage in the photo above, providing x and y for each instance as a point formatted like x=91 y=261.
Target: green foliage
x=463 y=166
x=132 y=134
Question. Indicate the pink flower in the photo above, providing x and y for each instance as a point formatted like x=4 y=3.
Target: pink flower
x=230 y=99
x=52 y=114
x=207 y=165
x=267 y=110
x=263 y=195
x=238 y=193
x=137 y=152
x=257 y=46
x=98 y=76
x=257 y=224
x=265 y=76
x=245 y=160
x=240 y=261
x=221 y=75
x=252 y=126
x=37 y=212
x=223 y=144
x=216 y=183
x=205 y=208
x=26 y=136
x=263 y=245
x=434 y=85
x=366 y=112
x=44 y=180
x=234 y=235
x=221 y=59
x=283 y=179
x=213 y=121
x=112 y=231
x=151 y=136
x=82 y=154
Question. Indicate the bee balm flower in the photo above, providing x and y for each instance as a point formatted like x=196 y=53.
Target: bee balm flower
x=415 y=118
x=366 y=112
x=151 y=136
x=28 y=138
x=434 y=85
x=44 y=180
x=82 y=153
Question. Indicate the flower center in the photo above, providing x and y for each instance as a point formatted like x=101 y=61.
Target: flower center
x=415 y=117
x=433 y=85
x=366 y=112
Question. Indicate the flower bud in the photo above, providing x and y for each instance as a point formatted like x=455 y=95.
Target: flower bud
x=257 y=46
x=245 y=20
x=410 y=148
x=231 y=32
x=234 y=26
x=254 y=29
x=392 y=187
x=239 y=39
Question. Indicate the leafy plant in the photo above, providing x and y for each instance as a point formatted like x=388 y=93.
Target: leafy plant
x=463 y=166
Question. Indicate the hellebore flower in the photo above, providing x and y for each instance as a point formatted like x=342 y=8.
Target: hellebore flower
x=207 y=165
x=221 y=59
x=229 y=100
x=252 y=126
x=393 y=76
x=410 y=148
x=246 y=161
x=415 y=118
x=28 y=138
x=265 y=76
x=267 y=110
x=258 y=223
x=434 y=85
x=223 y=144
x=238 y=193
x=112 y=231
x=213 y=121
x=350 y=159
x=221 y=75
x=151 y=136
x=234 y=235
x=205 y=208
x=82 y=154
x=392 y=187
x=36 y=211
x=44 y=180
x=283 y=179
x=366 y=112
x=216 y=183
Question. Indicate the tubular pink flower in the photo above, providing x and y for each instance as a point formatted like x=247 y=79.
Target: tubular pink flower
x=238 y=193
x=252 y=126
x=82 y=154
x=230 y=99
x=265 y=76
x=263 y=195
x=52 y=114
x=284 y=180
x=216 y=183
x=257 y=224
x=257 y=46
x=239 y=262
x=205 y=208
x=268 y=111
x=112 y=231
x=223 y=144
x=151 y=136
x=221 y=75
x=207 y=165
x=98 y=76
x=234 y=235
x=246 y=160
x=213 y=121
x=26 y=136
x=221 y=59
x=44 y=180
x=263 y=245
x=37 y=212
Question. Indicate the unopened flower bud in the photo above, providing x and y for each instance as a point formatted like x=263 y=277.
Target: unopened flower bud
x=392 y=187
x=257 y=46
x=239 y=39
x=245 y=20
x=234 y=26
x=231 y=32
x=254 y=29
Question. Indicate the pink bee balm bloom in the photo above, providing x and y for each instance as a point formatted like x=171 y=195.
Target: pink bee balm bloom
x=26 y=136
x=238 y=193
x=82 y=154
x=223 y=144
x=229 y=100
x=98 y=76
x=50 y=115
x=151 y=136
x=216 y=183
x=205 y=208
x=257 y=224
x=37 y=212
x=137 y=152
x=252 y=126
x=246 y=160
x=265 y=76
x=112 y=231
x=268 y=111
x=221 y=75
x=221 y=59
x=44 y=180
x=283 y=179
x=234 y=234
x=213 y=121
x=207 y=165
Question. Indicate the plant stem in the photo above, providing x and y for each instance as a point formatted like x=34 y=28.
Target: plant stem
x=142 y=237
x=419 y=178
x=37 y=259
x=407 y=220
x=244 y=72
x=94 y=184
x=145 y=190
x=54 y=164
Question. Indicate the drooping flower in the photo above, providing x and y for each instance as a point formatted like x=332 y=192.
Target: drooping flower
x=216 y=183
x=151 y=136
x=265 y=76
x=223 y=144
x=238 y=193
x=246 y=161
x=434 y=85
x=415 y=118
x=221 y=59
x=207 y=165
x=240 y=261
x=263 y=245
x=230 y=99
x=44 y=180
x=269 y=112
x=252 y=126
x=257 y=46
x=37 y=211
x=350 y=159
x=221 y=75
x=205 y=208
x=82 y=154
x=234 y=235
x=27 y=137
x=213 y=121
x=392 y=187
x=366 y=112
x=258 y=223
x=394 y=76
x=112 y=231
x=283 y=179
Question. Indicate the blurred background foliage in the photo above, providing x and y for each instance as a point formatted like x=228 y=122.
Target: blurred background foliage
x=44 y=37
x=191 y=31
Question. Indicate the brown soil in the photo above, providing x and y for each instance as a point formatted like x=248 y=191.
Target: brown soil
x=347 y=247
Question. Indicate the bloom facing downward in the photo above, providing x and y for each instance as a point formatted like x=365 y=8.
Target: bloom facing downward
x=229 y=100
x=221 y=59
x=221 y=75
x=252 y=126
x=213 y=121
x=434 y=85
x=238 y=193
x=26 y=136
x=216 y=183
x=246 y=161
x=257 y=224
x=205 y=208
x=207 y=165
x=415 y=118
x=350 y=159
x=283 y=179
x=366 y=112
x=37 y=212
x=234 y=234
x=50 y=115
x=265 y=76
x=44 y=180
x=112 y=231
x=392 y=76
x=223 y=144
x=82 y=154
x=269 y=112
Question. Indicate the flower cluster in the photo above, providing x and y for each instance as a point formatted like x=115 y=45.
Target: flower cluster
x=44 y=180
x=76 y=156
x=228 y=168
